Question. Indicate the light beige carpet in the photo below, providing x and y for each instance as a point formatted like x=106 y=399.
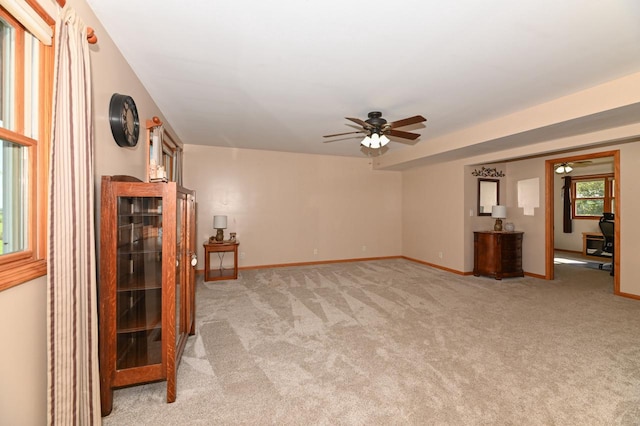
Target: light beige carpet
x=395 y=342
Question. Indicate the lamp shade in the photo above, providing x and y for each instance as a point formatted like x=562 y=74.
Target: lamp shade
x=375 y=140
x=564 y=168
x=366 y=142
x=219 y=222
x=499 y=212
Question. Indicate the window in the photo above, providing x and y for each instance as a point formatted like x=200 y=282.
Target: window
x=26 y=71
x=593 y=195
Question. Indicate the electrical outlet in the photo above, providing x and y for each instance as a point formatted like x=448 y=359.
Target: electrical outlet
x=315 y=251
x=241 y=255
x=364 y=248
x=440 y=255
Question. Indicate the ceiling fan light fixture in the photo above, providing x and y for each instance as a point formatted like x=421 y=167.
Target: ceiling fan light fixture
x=366 y=142
x=375 y=141
x=564 y=168
x=377 y=128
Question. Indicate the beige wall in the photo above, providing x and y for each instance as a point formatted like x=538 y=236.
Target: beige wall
x=23 y=368
x=533 y=226
x=438 y=222
x=23 y=358
x=430 y=190
x=433 y=214
x=629 y=205
x=285 y=206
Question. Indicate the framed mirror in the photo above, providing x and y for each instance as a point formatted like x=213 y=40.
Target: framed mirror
x=488 y=195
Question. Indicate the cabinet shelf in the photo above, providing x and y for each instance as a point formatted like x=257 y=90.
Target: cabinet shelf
x=146 y=245
x=139 y=310
x=144 y=349
x=220 y=274
x=146 y=279
x=135 y=215
x=136 y=323
x=139 y=271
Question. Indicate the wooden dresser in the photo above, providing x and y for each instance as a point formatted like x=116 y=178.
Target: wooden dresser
x=497 y=254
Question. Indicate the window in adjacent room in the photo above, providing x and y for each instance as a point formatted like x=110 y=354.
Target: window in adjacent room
x=593 y=195
x=25 y=95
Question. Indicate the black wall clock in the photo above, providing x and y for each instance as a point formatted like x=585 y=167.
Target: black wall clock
x=123 y=117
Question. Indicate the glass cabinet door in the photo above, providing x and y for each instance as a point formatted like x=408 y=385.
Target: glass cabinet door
x=139 y=282
x=190 y=253
x=184 y=291
x=180 y=204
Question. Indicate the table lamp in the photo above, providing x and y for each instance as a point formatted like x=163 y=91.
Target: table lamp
x=219 y=223
x=499 y=212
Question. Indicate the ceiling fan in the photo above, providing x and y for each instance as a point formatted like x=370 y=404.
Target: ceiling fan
x=377 y=128
x=567 y=167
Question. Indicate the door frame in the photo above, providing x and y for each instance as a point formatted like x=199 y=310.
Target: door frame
x=549 y=216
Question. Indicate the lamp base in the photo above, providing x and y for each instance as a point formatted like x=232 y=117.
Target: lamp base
x=220 y=234
x=498 y=225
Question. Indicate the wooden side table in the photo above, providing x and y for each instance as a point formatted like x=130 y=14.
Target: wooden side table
x=592 y=244
x=498 y=254
x=220 y=273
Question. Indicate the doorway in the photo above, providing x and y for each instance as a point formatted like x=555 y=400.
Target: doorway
x=550 y=217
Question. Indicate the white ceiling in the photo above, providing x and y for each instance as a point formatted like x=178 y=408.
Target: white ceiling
x=279 y=75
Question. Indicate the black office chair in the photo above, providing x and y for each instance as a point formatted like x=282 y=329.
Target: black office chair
x=607 y=228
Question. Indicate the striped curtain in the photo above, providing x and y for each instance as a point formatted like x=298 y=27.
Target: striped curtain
x=567 y=227
x=72 y=334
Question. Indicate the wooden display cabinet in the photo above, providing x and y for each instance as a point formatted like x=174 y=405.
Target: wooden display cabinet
x=147 y=282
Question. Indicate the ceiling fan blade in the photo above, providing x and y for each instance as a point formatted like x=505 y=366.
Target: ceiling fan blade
x=343 y=139
x=404 y=135
x=360 y=122
x=407 y=121
x=347 y=133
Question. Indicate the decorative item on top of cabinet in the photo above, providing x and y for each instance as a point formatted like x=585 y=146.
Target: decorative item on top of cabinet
x=497 y=254
x=155 y=134
x=147 y=282
x=164 y=154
